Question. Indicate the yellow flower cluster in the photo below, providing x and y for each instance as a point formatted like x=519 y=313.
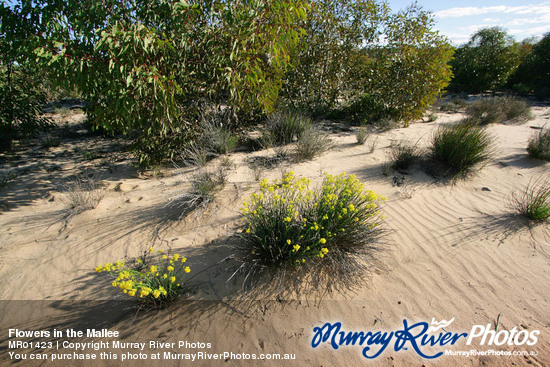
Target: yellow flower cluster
x=158 y=281
x=309 y=222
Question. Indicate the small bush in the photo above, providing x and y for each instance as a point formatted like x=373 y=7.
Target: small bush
x=311 y=144
x=534 y=201
x=288 y=226
x=283 y=128
x=539 y=145
x=83 y=194
x=403 y=155
x=497 y=110
x=362 y=135
x=385 y=124
x=156 y=278
x=459 y=148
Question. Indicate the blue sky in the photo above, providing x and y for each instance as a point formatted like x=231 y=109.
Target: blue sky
x=459 y=19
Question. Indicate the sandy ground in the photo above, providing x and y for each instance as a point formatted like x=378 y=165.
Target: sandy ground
x=453 y=251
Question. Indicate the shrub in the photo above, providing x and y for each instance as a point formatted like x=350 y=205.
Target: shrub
x=496 y=110
x=155 y=278
x=287 y=226
x=362 y=135
x=459 y=148
x=283 y=128
x=311 y=144
x=539 y=145
x=534 y=201
x=403 y=155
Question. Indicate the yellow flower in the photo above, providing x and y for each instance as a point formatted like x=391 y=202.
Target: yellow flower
x=324 y=250
x=296 y=248
x=322 y=241
x=288 y=242
x=183 y=259
x=156 y=293
x=164 y=257
x=164 y=276
x=288 y=219
x=132 y=293
x=187 y=269
x=170 y=268
x=176 y=257
x=153 y=269
x=248 y=230
x=151 y=249
x=172 y=279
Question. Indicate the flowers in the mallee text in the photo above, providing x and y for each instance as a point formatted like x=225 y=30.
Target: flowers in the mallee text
x=417 y=337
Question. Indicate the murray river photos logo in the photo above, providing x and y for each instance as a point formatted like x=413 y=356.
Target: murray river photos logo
x=418 y=337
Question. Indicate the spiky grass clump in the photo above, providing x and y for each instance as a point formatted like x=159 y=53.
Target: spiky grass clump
x=362 y=135
x=403 y=155
x=312 y=143
x=155 y=279
x=283 y=128
x=534 y=201
x=539 y=145
x=460 y=148
x=497 y=110
x=327 y=232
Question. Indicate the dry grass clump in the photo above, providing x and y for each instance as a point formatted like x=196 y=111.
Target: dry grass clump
x=497 y=110
x=82 y=193
x=311 y=144
x=205 y=184
x=539 y=145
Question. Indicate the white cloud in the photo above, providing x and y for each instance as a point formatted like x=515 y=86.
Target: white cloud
x=542 y=8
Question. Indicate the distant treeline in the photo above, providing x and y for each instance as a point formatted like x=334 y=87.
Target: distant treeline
x=493 y=61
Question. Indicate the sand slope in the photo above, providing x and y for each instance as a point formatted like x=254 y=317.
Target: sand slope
x=453 y=251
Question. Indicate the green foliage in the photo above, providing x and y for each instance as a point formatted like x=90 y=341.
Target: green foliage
x=459 y=148
x=328 y=230
x=485 y=62
x=533 y=75
x=534 y=201
x=539 y=145
x=153 y=66
x=360 y=59
x=155 y=278
x=21 y=85
x=497 y=110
